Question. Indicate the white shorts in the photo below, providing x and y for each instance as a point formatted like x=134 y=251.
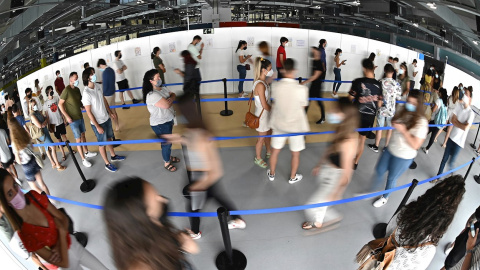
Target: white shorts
x=296 y=143
x=110 y=100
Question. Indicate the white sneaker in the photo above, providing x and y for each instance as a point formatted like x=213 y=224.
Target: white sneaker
x=270 y=176
x=298 y=178
x=237 y=224
x=449 y=248
x=380 y=202
x=425 y=150
x=86 y=163
x=91 y=154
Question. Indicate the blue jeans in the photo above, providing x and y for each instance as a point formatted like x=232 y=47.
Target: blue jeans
x=165 y=128
x=451 y=151
x=394 y=165
x=242 y=71
x=338 y=77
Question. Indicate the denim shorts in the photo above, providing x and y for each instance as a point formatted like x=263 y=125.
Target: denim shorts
x=107 y=131
x=78 y=127
x=45 y=138
x=382 y=119
x=31 y=169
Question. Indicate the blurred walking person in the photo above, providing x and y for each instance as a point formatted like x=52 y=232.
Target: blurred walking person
x=315 y=90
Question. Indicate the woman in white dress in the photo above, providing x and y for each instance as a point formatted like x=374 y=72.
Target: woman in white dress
x=452 y=102
x=261 y=95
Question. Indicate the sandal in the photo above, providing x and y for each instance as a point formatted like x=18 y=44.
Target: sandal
x=260 y=162
x=64 y=158
x=308 y=225
x=174 y=160
x=169 y=167
x=268 y=155
x=61 y=168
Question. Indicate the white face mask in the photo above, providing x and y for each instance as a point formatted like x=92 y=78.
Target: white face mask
x=465 y=100
x=400 y=71
x=270 y=73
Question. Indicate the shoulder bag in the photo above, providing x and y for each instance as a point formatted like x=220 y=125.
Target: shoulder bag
x=251 y=120
x=35 y=132
x=37 y=158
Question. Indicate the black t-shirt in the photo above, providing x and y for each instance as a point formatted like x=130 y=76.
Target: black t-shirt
x=317 y=66
x=367 y=92
x=459 y=250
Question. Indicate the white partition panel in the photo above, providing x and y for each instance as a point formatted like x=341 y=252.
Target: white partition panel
x=454 y=76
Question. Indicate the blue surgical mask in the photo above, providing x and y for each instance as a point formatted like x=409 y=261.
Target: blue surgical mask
x=75 y=83
x=94 y=78
x=461 y=87
x=101 y=69
x=340 y=54
x=400 y=71
x=410 y=107
x=159 y=83
x=334 y=118
x=35 y=108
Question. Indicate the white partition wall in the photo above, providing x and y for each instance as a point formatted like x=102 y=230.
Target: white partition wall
x=219 y=59
x=454 y=76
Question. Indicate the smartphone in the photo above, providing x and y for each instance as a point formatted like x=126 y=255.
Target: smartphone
x=472 y=229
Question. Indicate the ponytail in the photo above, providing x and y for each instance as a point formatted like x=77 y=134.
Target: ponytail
x=260 y=63
x=154 y=53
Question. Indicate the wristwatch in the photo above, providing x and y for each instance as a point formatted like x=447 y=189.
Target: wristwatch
x=470 y=251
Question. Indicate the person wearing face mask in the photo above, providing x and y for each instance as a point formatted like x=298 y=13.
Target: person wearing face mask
x=159 y=102
x=338 y=72
x=154 y=243
x=411 y=129
x=100 y=115
x=59 y=84
x=281 y=56
x=452 y=102
x=70 y=105
x=158 y=63
x=403 y=80
x=335 y=168
x=108 y=84
x=462 y=90
x=242 y=64
x=56 y=123
x=40 y=121
x=29 y=95
x=315 y=90
x=42 y=228
x=121 y=79
x=261 y=95
x=462 y=119
x=413 y=71
x=196 y=54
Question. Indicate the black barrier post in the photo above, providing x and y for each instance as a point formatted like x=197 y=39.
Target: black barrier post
x=469 y=168
x=87 y=185
x=380 y=230
x=477 y=178
x=225 y=112
x=474 y=141
x=299 y=79
x=230 y=259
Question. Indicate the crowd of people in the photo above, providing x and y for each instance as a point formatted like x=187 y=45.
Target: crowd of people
x=134 y=203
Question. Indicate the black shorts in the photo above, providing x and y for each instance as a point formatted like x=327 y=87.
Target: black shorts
x=123 y=84
x=8 y=163
x=366 y=121
x=60 y=130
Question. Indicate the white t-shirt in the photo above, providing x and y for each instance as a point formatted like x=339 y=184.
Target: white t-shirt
x=51 y=107
x=158 y=115
x=398 y=144
x=241 y=52
x=195 y=53
x=5 y=154
x=116 y=66
x=411 y=70
x=288 y=112
x=25 y=154
x=94 y=98
x=463 y=116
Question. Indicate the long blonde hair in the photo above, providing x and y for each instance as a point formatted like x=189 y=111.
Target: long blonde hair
x=260 y=63
x=19 y=136
x=348 y=126
x=455 y=94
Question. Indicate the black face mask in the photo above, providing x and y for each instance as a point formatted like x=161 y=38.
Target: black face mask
x=29 y=95
x=51 y=93
x=120 y=56
x=245 y=48
x=164 y=218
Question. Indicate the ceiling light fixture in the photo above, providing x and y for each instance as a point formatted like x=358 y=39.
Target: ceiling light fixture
x=446 y=41
x=475 y=42
x=415 y=24
x=356 y=3
x=408 y=31
x=432 y=5
x=377 y=25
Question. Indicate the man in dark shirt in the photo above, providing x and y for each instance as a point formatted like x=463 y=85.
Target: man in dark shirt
x=108 y=82
x=59 y=84
x=315 y=90
x=367 y=93
x=281 y=56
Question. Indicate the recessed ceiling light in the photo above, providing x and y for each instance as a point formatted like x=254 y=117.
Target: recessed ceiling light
x=432 y=5
x=377 y=25
x=475 y=42
x=446 y=41
x=415 y=24
x=408 y=31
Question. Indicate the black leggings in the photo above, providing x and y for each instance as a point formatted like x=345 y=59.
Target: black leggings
x=315 y=91
x=217 y=192
x=434 y=131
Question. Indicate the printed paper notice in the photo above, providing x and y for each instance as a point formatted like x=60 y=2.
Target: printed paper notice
x=138 y=51
x=171 y=47
x=379 y=52
x=81 y=65
x=290 y=42
x=353 y=48
x=300 y=43
x=209 y=43
x=250 y=41
x=109 y=58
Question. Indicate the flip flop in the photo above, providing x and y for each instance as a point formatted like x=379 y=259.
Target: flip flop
x=169 y=167
x=174 y=160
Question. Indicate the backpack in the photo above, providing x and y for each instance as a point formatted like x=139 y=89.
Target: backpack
x=441 y=116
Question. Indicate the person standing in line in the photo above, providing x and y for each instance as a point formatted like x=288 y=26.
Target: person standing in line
x=59 y=84
x=158 y=63
x=281 y=56
x=315 y=90
x=86 y=65
x=191 y=81
x=403 y=80
x=366 y=92
x=390 y=61
x=42 y=228
x=371 y=57
x=21 y=120
x=391 y=91
x=338 y=72
x=39 y=120
x=264 y=49
x=6 y=157
x=39 y=90
x=462 y=119
x=241 y=67
x=438 y=107
x=121 y=80
x=29 y=96
x=155 y=243
x=196 y=54
x=204 y=167
x=70 y=105
x=22 y=150
x=288 y=116
x=99 y=113
x=261 y=95
x=108 y=83
x=412 y=74
x=159 y=102
x=335 y=168
x=411 y=129
x=452 y=101
x=8 y=101
x=54 y=118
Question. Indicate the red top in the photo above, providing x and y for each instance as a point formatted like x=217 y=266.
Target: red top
x=36 y=237
x=59 y=84
x=281 y=50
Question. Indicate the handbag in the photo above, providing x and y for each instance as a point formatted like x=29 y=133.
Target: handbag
x=37 y=158
x=247 y=66
x=35 y=132
x=251 y=120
